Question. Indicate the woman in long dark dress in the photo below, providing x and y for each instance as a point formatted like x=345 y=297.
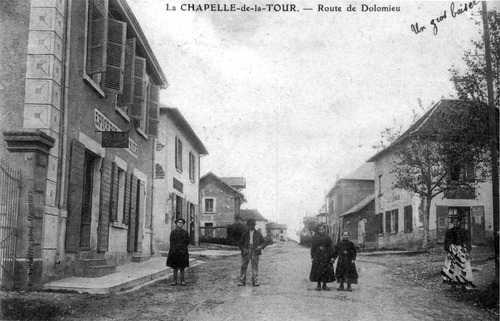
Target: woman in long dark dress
x=456 y=269
x=178 y=255
x=345 y=251
x=322 y=267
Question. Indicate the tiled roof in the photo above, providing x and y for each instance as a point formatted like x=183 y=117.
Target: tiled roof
x=246 y=214
x=234 y=181
x=276 y=226
x=428 y=123
x=358 y=207
x=204 y=177
x=363 y=172
x=175 y=115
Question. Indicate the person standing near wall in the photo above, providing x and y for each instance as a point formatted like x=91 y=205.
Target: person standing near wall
x=457 y=269
x=178 y=255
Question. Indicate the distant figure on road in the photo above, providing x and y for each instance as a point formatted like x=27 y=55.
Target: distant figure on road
x=361 y=233
x=321 y=255
x=251 y=245
x=457 y=269
x=178 y=255
x=346 y=269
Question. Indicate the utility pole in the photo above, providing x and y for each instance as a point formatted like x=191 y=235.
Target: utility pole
x=493 y=124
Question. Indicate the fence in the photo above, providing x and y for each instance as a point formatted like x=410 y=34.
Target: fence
x=10 y=185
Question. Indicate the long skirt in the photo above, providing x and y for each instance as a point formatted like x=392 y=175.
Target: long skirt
x=456 y=269
x=346 y=271
x=322 y=269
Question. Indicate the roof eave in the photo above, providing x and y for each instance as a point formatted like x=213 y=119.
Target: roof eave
x=158 y=74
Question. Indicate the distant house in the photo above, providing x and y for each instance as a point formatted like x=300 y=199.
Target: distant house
x=277 y=232
x=246 y=214
x=176 y=185
x=346 y=193
x=400 y=219
x=361 y=223
x=220 y=203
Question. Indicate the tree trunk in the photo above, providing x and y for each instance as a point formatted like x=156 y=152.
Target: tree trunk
x=427 y=211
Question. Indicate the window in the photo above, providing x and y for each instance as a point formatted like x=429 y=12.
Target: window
x=105 y=48
x=388 y=222
x=112 y=68
x=178 y=154
x=380 y=185
x=408 y=218
x=191 y=167
x=462 y=173
x=394 y=221
x=380 y=221
x=209 y=205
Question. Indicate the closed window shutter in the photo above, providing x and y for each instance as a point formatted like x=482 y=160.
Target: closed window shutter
x=153 y=110
x=75 y=196
x=97 y=36
x=113 y=206
x=388 y=222
x=133 y=215
x=141 y=188
x=115 y=58
x=127 y=96
x=126 y=207
x=408 y=218
x=396 y=221
x=139 y=87
x=103 y=227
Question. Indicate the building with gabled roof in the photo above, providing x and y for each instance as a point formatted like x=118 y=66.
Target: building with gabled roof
x=399 y=212
x=177 y=177
x=220 y=205
x=260 y=221
x=346 y=193
x=80 y=93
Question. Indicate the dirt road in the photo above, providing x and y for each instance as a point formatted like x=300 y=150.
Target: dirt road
x=285 y=294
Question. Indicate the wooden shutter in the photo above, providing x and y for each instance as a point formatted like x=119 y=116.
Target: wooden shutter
x=153 y=110
x=103 y=227
x=408 y=213
x=127 y=96
x=97 y=36
x=133 y=215
x=141 y=188
x=388 y=222
x=139 y=87
x=75 y=196
x=115 y=57
x=442 y=222
x=113 y=204
x=173 y=216
x=396 y=220
x=126 y=206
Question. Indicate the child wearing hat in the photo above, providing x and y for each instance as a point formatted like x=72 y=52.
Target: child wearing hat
x=178 y=255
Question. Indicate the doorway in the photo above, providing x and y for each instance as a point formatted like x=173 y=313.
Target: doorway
x=88 y=186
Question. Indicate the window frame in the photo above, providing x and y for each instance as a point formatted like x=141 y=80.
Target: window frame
x=205 y=205
x=192 y=167
x=178 y=154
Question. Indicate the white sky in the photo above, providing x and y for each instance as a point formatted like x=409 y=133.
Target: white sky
x=290 y=100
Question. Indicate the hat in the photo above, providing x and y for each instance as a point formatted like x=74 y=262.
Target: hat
x=180 y=219
x=251 y=222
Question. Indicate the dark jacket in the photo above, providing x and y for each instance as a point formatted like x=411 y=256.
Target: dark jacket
x=178 y=255
x=258 y=240
x=457 y=236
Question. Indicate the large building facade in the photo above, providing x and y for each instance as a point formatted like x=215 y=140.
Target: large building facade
x=74 y=72
x=177 y=177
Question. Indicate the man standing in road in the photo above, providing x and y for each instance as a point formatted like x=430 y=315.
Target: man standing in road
x=251 y=245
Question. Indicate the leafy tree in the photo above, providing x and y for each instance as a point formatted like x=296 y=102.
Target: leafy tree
x=470 y=83
x=444 y=151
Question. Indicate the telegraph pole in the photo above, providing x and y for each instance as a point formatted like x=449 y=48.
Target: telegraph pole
x=493 y=124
